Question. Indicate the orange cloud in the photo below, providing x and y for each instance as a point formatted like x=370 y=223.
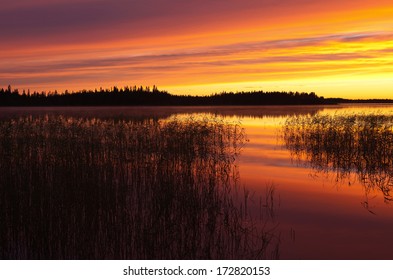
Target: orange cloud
x=225 y=45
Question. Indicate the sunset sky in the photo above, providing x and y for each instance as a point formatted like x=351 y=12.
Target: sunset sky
x=335 y=48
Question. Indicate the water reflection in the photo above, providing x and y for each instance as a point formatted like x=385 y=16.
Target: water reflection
x=349 y=146
x=161 y=112
x=92 y=188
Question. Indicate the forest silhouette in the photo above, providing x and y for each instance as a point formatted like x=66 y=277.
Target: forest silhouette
x=152 y=96
x=128 y=96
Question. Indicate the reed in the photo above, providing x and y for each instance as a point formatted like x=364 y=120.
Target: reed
x=93 y=188
x=345 y=145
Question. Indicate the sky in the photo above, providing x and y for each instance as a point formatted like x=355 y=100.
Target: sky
x=334 y=48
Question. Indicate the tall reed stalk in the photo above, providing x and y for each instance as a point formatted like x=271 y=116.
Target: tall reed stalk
x=345 y=145
x=91 y=188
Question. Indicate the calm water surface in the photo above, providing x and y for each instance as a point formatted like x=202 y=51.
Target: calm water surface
x=324 y=212
x=289 y=180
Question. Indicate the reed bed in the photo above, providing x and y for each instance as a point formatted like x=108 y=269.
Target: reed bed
x=350 y=146
x=91 y=188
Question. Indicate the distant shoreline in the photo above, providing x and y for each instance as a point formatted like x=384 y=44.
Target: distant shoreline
x=144 y=96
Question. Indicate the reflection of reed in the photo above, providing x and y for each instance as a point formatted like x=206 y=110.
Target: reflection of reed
x=89 y=188
x=360 y=144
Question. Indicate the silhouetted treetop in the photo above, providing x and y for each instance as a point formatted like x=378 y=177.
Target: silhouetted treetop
x=133 y=95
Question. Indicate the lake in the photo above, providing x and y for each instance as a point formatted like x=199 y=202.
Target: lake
x=269 y=182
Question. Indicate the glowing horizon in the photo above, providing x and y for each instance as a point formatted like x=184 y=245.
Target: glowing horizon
x=334 y=49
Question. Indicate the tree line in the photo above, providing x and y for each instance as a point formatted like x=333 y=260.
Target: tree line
x=128 y=96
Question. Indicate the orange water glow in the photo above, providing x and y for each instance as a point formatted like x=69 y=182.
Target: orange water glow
x=318 y=216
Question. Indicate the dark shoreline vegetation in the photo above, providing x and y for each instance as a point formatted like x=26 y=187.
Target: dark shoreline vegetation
x=146 y=96
x=93 y=188
x=129 y=96
x=346 y=146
